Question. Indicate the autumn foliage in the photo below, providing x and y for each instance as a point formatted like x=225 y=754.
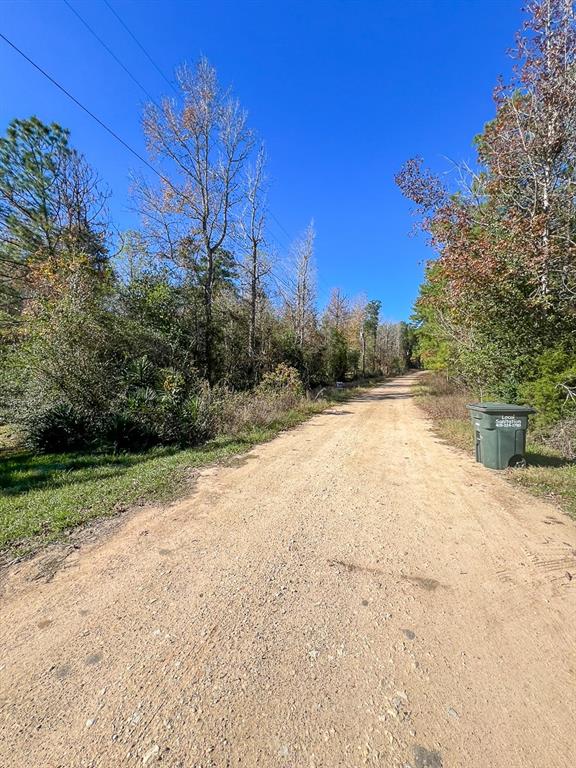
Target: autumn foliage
x=502 y=292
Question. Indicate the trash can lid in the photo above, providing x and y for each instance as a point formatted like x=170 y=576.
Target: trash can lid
x=500 y=408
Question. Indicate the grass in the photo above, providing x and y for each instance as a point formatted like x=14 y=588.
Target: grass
x=44 y=496
x=548 y=474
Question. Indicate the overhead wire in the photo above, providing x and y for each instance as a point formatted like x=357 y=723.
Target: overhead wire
x=158 y=69
x=112 y=132
x=82 y=106
x=108 y=49
x=139 y=44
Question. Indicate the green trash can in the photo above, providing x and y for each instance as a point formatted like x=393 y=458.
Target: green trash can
x=500 y=431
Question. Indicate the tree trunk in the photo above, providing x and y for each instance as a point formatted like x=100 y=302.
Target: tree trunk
x=253 y=312
x=208 y=316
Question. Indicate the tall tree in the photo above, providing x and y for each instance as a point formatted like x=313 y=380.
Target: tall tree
x=202 y=145
x=303 y=302
x=255 y=265
x=370 y=331
x=334 y=325
x=337 y=312
x=51 y=210
x=529 y=150
x=504 y=288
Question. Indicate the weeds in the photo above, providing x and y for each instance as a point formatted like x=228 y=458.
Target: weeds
x=445 y=403
x=43 y=496
x=549 y=473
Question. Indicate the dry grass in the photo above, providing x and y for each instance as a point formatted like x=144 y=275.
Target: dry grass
x=548 y=474
x=562 y=438
x=445 y=403
x=241 y=411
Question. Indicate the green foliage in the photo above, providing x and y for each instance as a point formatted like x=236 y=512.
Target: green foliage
x=56 y=428
x=353 y=361
x=337 y=355
x=170 y=344
x=409 y=348
x=552 y=390
x=50 y=211
x=44 y=495
x=497 y=310
x=32 y=156
x=371 y=323
x=432 y=344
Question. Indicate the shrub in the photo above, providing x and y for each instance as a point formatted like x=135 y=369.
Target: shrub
x=200 y=414
x=562 y=438
x=239 y=411
x=336 y=356
x=167 y=412
x=555 y=374
x=282 y=378
x=443 y=398
x=437 y=383
x=125 y=432
x=56 y=428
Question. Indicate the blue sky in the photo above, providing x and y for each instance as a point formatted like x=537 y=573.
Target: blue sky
x=342 y=93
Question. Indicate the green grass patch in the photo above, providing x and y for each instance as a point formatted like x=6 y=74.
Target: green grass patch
x=457 y=432
x=548 y=475
x=43 y=496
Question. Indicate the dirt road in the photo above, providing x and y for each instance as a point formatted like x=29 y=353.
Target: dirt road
x=354 y=593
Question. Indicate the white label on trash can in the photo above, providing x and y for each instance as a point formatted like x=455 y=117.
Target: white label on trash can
x=513 y=422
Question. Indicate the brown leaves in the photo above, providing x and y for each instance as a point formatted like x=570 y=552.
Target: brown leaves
x=421 y=186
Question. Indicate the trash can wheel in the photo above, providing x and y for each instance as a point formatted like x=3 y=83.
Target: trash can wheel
x=517 y=462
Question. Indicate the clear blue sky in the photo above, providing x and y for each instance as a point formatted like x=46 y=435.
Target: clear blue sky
x=341 y=92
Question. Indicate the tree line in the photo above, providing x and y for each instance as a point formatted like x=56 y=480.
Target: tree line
x=143 y=337
x=497 y=310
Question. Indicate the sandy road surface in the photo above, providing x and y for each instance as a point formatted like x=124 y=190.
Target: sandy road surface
x=354 y=593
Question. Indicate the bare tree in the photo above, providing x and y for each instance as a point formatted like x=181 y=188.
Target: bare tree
x=255 y=266
x=202 y=147
x=530 y=147
x=84 y=224
x=337 y=312
x=301 y=303
x=389 y=347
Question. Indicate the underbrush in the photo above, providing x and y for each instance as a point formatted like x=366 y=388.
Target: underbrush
x=445 y=403
x=43 y=496
x=246 y=410
x=550 y=473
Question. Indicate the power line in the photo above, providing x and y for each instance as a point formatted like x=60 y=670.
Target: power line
x=277 y=236
x=280 y=225
x=109 y=50
x=139 y=44
x=151 y=60
x=82 y=107
x=104 y=125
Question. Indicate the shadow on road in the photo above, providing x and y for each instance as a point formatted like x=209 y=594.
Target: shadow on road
x=384 y=396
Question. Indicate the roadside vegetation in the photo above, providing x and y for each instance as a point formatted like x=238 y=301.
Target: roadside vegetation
x=549 y=473
x=43 y=496
x=497 y=310
x=126 y=358
x=496 y=314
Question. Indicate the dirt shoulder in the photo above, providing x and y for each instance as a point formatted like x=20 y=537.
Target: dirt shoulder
x=353 y=593
x=548 y=475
